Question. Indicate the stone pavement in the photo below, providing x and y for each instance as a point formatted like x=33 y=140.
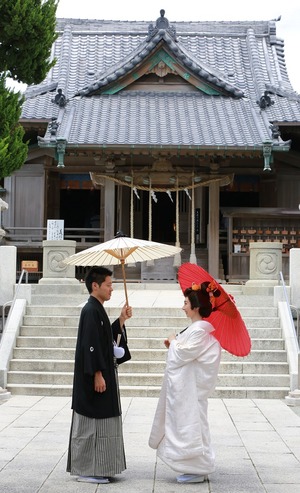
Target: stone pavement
x=257 y=445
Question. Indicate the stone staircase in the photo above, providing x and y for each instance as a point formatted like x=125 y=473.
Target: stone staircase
x=43 y=359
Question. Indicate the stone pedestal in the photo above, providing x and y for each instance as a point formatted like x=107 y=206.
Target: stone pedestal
x=4 y=394
x=293 y=399
x=265 y=266
x=54 y=270
x=8 y=270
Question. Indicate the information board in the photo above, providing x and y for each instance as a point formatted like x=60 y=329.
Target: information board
x=55 y=229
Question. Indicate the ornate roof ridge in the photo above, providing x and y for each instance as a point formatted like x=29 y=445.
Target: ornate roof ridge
x=144 y=25
x=161 y=32
x=285 y=92
x=37 y=90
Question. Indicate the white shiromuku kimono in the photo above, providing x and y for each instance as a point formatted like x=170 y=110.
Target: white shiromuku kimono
x=180 y=430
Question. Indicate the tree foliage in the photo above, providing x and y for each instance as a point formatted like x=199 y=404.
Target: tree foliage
x=13 y=150
x=27 y=33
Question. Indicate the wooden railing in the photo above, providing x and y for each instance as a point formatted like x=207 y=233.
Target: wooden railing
x=33 y=237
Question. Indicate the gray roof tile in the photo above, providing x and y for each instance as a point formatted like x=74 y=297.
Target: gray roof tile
x=153 y=119
x=242 y=55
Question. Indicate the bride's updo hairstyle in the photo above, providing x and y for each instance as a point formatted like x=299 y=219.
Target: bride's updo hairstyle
x=202 y=297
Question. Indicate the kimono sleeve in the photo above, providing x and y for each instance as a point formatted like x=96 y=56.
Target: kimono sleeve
x=93 y=343
x=193 y=348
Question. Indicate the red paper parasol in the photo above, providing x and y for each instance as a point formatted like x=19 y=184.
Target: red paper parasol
x=230 y=329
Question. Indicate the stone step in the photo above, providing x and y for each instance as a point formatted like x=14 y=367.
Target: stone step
x=230 y=367
x=60 y=298
x=44 y=390
x=70 y=321
x=233 y=380
x=46 y=342
x=114 y=312
x=74 y=288
x=135 y=342
x=161 y=332
x=144 y=354
x=153 y=321
x=153 y=391
x=173 y=321
x=255 y=301
x=226 y=367
x=44 y=353
x=147 y=378
x=43 y=360
x=259 y=355
x=41 y=289
x=79 y=288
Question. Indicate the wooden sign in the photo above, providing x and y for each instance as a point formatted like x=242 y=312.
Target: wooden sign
x=30 y=265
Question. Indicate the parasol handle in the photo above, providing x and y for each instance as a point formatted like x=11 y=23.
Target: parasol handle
x=124 y=279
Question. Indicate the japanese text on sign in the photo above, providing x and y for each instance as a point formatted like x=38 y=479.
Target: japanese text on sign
x=55 y=229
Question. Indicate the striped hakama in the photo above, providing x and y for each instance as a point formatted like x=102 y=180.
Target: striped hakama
x=96 y=446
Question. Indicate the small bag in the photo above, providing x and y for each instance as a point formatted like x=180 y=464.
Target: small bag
x=118 y=351
x=122 y=343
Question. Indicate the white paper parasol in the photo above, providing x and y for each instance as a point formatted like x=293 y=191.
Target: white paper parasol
x=122 y=250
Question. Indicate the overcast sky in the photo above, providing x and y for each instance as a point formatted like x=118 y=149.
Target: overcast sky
x=288 y=28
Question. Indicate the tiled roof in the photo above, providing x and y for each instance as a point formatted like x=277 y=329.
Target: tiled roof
x=155 y=119
x=242 y=58
x=134 y=59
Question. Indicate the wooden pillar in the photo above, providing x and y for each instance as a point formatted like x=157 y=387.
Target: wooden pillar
x=213 y=230
x=193 y=259
x=109 y=210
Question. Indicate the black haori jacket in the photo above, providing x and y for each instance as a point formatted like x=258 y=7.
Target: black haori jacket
x=94 y=352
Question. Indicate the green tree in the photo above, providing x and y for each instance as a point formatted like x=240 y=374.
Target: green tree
x=27 y=33
x=13 y=150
